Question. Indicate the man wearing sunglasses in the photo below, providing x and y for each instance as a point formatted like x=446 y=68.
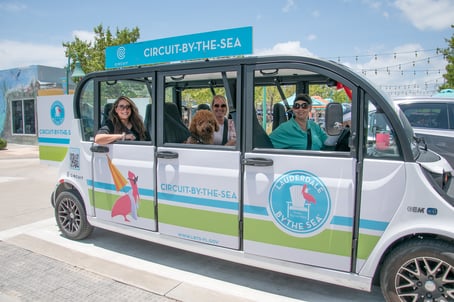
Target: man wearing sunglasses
x=299 y=132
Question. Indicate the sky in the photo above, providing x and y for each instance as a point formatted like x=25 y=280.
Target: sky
x=391 y=42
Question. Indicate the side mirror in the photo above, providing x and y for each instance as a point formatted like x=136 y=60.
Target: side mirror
x=333 y=118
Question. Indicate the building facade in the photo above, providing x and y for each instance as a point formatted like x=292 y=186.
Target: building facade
x=19 y=89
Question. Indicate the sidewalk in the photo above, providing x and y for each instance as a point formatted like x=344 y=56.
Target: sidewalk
x=17 y=151
x=55 y=269
x=32 y=276
x=28 y=276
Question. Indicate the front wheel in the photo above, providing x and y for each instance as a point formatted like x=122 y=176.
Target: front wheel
x=419 y=270
x=71 y=216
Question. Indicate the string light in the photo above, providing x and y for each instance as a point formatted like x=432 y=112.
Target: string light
x=412 y=71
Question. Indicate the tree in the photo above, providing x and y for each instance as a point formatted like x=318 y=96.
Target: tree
x=449 y=55
x=92 y=56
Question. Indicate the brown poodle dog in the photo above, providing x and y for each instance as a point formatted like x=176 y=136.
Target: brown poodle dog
x=202 y=128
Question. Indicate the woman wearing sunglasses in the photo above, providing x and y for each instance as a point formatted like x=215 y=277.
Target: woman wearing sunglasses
x=226 y=135
x=299 y=132
x=124 y=123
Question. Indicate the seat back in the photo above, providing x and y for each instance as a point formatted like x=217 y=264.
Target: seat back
x=203 y=107
x=147 y=120
x=261 y=138
x=105 y=114
x=279 y=115
x=175 y=131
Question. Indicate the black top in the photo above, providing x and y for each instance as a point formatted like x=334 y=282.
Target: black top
x=108 y=128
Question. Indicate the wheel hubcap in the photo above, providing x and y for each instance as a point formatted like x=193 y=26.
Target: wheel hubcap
x=69 y=215
x=425 y=279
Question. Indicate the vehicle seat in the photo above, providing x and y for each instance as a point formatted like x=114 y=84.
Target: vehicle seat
x=105 y=114
x=203 y=107
x=279 y=115
x=175 y=131
x=261 y=138
x=147 y=120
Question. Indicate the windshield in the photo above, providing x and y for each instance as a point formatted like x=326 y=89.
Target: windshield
x=409 y=133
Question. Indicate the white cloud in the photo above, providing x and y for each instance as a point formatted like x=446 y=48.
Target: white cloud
x=288 y=6
x=84 y=35
x=428 y=14
x=12 y=7
x=373 y=4
x=311 y=37
x=15 y=54
x=287 y=48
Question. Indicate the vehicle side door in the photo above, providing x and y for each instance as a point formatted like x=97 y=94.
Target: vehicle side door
x=198 y=187
x=298 y=204
x=122 y=182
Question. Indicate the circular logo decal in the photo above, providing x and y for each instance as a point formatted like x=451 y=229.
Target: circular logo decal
x=57 y=113
x=121 y=52
x=299 y=202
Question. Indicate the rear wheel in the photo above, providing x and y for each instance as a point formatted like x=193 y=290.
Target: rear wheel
x=420 y=270
x=71 y=216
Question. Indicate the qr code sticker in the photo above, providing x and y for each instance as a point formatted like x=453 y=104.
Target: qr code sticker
x=74 y=157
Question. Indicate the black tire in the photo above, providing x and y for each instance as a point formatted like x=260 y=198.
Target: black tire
x=71 y=216
x=419 y=270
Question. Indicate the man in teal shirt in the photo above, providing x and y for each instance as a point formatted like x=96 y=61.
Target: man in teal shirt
x=299 y=132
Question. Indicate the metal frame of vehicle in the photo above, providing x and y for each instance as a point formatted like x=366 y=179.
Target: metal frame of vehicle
x=340 y=217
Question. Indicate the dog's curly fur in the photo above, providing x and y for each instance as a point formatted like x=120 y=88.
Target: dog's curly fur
x=202 y=128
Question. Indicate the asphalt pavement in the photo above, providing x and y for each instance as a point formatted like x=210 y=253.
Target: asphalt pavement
x=38 y=264
x=28 y=274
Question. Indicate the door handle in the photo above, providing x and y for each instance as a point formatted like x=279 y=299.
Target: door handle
x=167 y=154
x=99 y=149
x=258 y=162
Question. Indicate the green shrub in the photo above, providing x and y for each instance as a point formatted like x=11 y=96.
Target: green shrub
x=3 y=143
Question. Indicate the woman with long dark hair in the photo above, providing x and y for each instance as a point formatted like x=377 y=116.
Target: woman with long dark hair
x=124 y=123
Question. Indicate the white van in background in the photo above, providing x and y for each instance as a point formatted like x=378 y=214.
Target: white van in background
x=432 y=118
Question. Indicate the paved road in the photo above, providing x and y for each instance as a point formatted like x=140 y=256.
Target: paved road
x=38 y=264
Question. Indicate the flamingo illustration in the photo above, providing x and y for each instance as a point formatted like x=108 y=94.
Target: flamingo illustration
x=308 y=197
x=128 y=203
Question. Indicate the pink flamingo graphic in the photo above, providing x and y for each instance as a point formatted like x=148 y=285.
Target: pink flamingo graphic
x=308 y=197
x=128 y=203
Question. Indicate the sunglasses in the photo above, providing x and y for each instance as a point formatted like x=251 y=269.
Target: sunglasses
x=220 y=105
x=300 y=105
x=123 y=107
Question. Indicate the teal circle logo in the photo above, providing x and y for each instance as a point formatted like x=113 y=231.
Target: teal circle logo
x=299 y=202
x=57 y=113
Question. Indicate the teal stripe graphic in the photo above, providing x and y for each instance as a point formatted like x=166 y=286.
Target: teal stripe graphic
x=48 y=140
x=111 y=187
x=366 y=224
